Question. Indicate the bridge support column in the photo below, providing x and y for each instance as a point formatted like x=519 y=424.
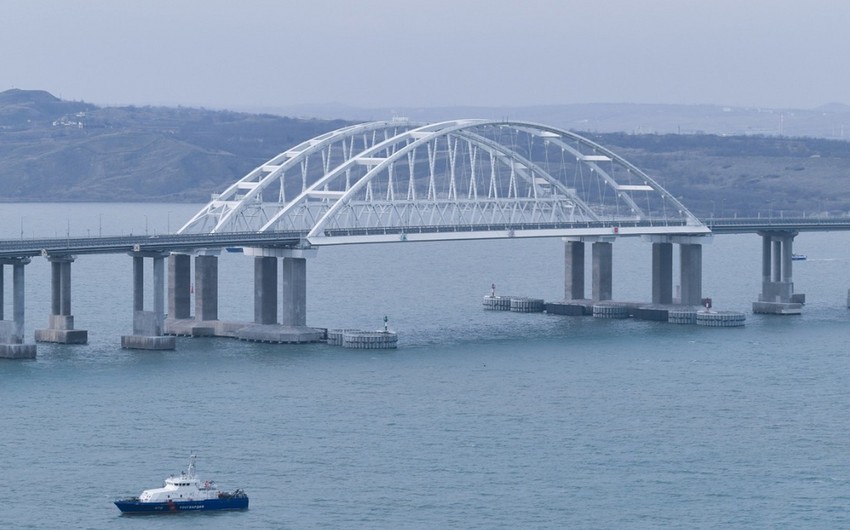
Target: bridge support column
x=662 y=273
x=690 y=257
x=60 y=328
x=603 y=270
x=148 y=325
x=12 y=332
x=574 y=270
x=180 y=321
x=179 y=286
x=265 y=290
x=777 y=287
x=206 y=288
x=690 y=268
x=293 y=293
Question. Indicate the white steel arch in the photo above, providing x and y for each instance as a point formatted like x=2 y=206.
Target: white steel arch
x=390 y=181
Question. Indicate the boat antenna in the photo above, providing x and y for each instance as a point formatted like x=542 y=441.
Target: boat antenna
x=191 y=471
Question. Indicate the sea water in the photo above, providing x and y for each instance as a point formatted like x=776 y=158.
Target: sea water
x=478 y=420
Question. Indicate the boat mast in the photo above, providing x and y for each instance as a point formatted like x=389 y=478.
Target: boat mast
x=191 y=471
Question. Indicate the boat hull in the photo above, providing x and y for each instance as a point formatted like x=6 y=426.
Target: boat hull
x=138 y=507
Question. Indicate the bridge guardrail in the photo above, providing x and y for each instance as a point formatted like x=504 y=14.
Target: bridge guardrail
x=500 y=227
x=759 y=224
x=119 y=244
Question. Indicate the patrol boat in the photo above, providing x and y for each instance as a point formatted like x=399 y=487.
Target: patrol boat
x=184 y=493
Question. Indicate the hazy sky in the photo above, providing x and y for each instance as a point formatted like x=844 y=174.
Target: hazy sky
x=382 y=53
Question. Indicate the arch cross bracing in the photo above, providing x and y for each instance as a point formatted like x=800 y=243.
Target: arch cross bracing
x=462 y=179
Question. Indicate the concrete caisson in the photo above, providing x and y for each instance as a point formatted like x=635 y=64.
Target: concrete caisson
x=658 y=313
x=720 y=319
x=574 y=308
x=682 y=316
x=611 y=310
x=335 y=336
x=370 y=340
x=497 y=303
x=527 y=305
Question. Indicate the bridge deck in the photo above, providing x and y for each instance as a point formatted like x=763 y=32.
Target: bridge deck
x=15 y=248
x=157 y=243
x=740 y=225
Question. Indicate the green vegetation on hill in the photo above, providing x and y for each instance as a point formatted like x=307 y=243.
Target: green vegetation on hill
x=55 y=150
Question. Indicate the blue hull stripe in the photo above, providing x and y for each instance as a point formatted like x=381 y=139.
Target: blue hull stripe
x=240 y=503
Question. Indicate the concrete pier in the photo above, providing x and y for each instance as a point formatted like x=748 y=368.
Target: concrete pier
x=206 y=287
x=265 y=290
x=603 y=270
x=293 y=297
x=777 y=295
x=662 y=273
x=12 y=331
x=691 y=273
x=204 y=322
x=179 y=286
x=60 y=327
x=148 y=325
x=573 y=270
x=690 y=269
x=265 y=328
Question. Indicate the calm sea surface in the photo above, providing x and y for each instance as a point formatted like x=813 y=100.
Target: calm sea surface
x=478 y=419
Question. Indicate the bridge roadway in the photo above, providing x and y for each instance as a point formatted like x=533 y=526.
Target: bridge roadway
x=21 y=248
x=277 y=239
x=752 y=225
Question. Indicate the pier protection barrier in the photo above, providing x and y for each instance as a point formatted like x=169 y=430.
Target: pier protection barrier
x=685 y=315
x=278 y=334
x=655 y=312
x=611 y=310
x=721 y=319
x=527 y=305
x=335 y=336
x=573 y=308
x=672 y=313
x=517 y=304
x=370 y=340
x=497 y=303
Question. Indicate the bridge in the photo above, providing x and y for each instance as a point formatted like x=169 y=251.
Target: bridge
x=398 y=181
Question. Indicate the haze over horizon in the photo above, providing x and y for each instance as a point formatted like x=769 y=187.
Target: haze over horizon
x=381 y=53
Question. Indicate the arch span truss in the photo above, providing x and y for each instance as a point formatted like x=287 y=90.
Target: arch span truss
x=462 y=179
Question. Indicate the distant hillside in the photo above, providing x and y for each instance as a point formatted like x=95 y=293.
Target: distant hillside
x=743 y=175
x=55 y=150
x=828 y=121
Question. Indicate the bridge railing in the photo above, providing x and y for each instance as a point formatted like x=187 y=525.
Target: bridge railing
x=755 y=224
x=498 y=227
x=164 y=242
